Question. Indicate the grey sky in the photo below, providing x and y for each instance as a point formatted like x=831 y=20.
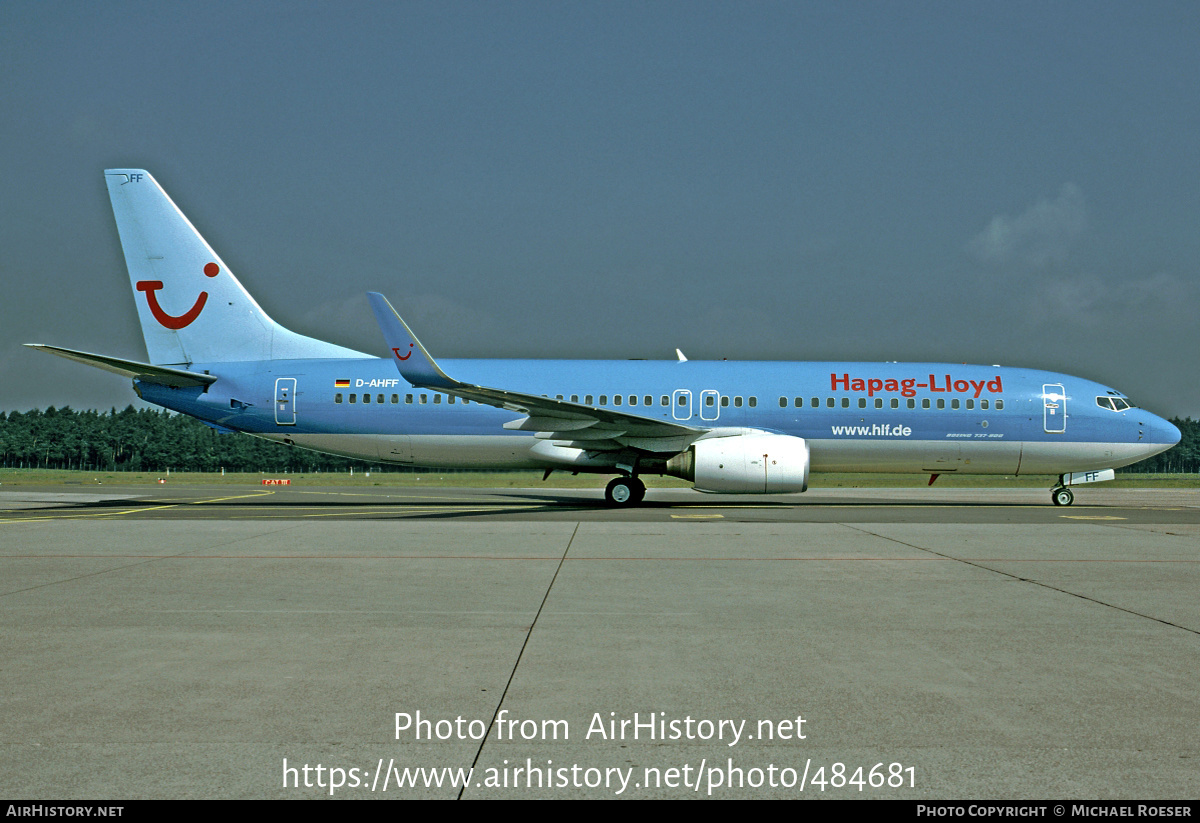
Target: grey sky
x=1013 y=183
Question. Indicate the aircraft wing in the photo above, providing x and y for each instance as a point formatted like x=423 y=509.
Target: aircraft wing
x=588 y=427
x=163 y=375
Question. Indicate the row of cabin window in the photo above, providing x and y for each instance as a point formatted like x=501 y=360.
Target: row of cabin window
x=709 y=401
x=664 y=400
x=617 y=399
x=831 y=402
x=395 y=399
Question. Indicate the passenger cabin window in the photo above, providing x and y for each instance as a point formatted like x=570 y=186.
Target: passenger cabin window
x=895 y=402
x=649 y=401
x=999 y=404
x=925 y=403
x=354 y=398
x=879 y=402
x=983 y=404
x=862 y=402
x=408 y=399
x=604 y=400
x=737 y=401
x=337 y=398
x=366 y=398
x=753 y=402
x=845 y=402
x=395 y=399
x=954 y=403
x=783 y=402
x=724 y=400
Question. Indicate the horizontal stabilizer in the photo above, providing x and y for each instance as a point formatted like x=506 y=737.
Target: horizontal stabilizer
x=162 y=375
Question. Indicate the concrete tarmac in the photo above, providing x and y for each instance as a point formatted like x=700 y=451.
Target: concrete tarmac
x=950 y=644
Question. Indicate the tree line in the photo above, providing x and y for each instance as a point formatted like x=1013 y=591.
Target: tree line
x=149 y=440
x=158 y=440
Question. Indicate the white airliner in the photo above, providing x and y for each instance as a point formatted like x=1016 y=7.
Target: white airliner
x=749 y=427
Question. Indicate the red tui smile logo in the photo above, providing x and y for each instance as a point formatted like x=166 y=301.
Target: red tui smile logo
x=170 y=321
x=406 y=354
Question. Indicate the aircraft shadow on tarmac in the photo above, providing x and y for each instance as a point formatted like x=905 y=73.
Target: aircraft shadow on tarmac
x=452 y=504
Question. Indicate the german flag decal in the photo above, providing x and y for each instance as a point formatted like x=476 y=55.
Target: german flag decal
x=341 y=384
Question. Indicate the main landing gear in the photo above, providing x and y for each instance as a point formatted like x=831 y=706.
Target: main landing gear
x=624 y=491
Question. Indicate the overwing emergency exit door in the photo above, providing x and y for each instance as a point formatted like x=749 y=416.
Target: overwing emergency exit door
x=681 y=404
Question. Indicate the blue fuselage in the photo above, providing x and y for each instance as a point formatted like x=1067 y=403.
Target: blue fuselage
x=886 y=417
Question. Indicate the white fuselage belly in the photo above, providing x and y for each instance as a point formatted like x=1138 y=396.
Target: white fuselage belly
x=834 y=455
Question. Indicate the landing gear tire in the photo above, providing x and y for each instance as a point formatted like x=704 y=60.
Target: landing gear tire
x=624 y=491
x=1062 y=497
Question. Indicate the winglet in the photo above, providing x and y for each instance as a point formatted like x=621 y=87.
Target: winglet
x=414 y=362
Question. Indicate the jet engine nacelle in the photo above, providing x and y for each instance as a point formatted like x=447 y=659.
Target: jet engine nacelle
x=745 y=463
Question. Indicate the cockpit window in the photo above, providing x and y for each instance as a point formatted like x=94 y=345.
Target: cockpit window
x=1120 y=403
x=1113 y=403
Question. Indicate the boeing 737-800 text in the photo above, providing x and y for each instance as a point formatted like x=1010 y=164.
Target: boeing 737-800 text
x=745 y=427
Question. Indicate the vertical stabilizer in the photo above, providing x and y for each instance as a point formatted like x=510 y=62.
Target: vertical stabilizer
x=192 y=308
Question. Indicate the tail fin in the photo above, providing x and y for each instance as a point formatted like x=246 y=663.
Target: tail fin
x=192 y=308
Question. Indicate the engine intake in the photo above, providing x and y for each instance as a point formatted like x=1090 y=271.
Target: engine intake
x=745 y=463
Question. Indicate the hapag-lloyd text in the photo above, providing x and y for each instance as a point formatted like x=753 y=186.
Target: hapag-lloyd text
x=908 y=387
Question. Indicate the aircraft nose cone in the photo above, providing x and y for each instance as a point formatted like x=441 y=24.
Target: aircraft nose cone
x=1171 y=432
x=1162 y=432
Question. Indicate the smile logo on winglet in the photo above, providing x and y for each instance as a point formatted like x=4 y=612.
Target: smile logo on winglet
x=406 y=356
x=170 y=321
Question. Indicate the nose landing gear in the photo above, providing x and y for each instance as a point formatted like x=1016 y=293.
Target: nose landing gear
x=1062 y=496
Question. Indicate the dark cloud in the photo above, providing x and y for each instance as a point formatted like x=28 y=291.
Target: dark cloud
x=779 y=181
